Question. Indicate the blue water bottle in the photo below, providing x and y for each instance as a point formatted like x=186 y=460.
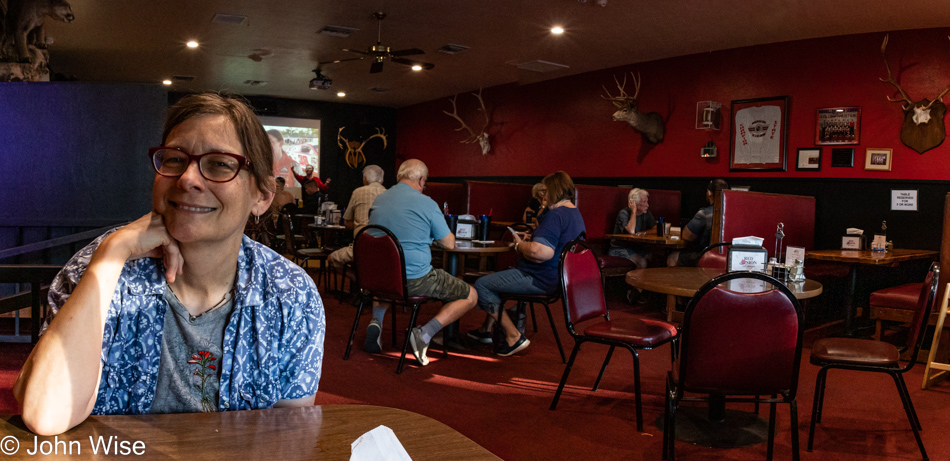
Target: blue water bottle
x=659 y=226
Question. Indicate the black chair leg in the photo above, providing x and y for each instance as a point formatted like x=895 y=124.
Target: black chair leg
x=610 y=353
x=816 y=407
x=771 y=442
x=534 y=321
x=793 y=415
x=349 y=345
x=911 y=414
x=636 y=386
x=666 y=421
x=392 y=320
x=405 y=346
x=557 y=339
x=567 y=371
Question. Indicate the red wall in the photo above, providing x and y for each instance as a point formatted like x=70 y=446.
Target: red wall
x=565 y=124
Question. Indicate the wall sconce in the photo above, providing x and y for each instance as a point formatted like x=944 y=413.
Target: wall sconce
x=709 y=150
x=708 y=115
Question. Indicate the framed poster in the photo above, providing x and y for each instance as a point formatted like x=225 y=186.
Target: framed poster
x=878 y=159
x=759 y=134
x=809 y=159
x=842 y=157
x=838 y=126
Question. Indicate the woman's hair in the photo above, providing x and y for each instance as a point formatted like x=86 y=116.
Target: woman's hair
x=249 y=130
x=276 y=135
x=636 y=194
x=560 y=187
x=536 y=191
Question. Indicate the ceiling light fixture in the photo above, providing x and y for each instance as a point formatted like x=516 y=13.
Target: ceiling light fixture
x=340 y=94
x=416 y=67
x=166 y=82
x=320 y=82
x=192 y=44
x=557 y=30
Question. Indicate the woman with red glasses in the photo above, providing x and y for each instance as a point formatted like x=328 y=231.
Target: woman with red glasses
x=178 y=311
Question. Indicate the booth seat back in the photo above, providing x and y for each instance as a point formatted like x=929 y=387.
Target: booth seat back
x=506 y=201
x=599 y=206
x=455 y=194
x=743 y=213
x=666 y=204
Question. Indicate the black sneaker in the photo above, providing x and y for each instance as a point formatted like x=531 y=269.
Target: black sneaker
x=373 y=344
x=483 y=337
x=505 y=350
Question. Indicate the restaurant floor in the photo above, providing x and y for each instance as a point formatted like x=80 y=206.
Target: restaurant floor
x=502 y=403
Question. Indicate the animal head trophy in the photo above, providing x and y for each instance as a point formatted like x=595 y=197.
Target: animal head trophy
x=482 y=136
x=923 y=127
x=649 y=125
x=354 y=149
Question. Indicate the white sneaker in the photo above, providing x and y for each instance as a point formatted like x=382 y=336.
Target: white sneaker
x=419 y=347
x=373 y=343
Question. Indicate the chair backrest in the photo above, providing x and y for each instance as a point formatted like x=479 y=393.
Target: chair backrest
x=925 y=305
x=582 y=287
x=744 y=213
x=288 y=228
x=380 y=263
x=714 y=256
x=739 y=340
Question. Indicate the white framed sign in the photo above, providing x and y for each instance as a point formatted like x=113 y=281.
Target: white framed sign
x=851 y=242
x=465 y=231
x=903 y=200
x=746 y=259
x=793 y=253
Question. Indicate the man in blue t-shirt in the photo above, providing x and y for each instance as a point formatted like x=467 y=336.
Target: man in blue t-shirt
x=698 y=232
x=415 y=219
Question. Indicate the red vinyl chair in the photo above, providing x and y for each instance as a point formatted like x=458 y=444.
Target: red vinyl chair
x=583 y=299
x=760 y=358
x=876 y=356
x=714 y=256
x=381 y=276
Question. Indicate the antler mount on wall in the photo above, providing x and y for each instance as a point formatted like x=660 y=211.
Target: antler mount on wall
x=354 y=149
x=481 y=137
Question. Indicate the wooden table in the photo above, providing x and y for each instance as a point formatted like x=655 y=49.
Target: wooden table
x=314 y=432
x=464 y=248
x=686 y=281
x=650 y=239
x=330 y=232
x=857 y=258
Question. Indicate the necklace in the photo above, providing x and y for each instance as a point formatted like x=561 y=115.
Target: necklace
x=224 y=299
x=559 y=203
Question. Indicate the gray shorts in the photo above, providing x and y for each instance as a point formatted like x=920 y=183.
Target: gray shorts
x=439 y=284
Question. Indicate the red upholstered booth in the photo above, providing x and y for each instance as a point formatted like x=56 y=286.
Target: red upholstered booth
x=665 y=204
x=599 y=206
x=455 y=194
x=744 y=213
x=506 y=201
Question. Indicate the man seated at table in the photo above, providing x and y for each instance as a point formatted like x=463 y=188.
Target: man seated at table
x=698 y=232
x=631 y=220
x=357 y=211
x=416 y=220
x=311 y=200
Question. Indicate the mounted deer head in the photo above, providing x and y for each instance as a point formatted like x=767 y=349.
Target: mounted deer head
x=923 y=127
x=354 y=149
x=482 y=136
x=649 y=125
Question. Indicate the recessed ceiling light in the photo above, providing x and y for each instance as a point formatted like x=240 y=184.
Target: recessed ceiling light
x=557 y=30
x=166 y=82
x=192 y=44
x=416 y=67
x=341 y=94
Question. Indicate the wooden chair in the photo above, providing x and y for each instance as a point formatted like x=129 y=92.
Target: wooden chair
x=381 y=276
x=932 y=363
x=876 y=356
x=583 y=294
x=761 y=357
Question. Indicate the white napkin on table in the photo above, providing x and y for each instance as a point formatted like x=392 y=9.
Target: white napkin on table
x=380 y=444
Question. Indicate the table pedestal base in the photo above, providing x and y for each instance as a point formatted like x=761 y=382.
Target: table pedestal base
x=739 y=429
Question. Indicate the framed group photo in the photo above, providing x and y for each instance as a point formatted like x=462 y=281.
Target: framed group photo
x=878 y=159
x=809 y=159
x=838 y=126
x=759 y=134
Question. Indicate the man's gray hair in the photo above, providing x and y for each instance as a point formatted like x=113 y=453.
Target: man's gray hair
x=412 y=169
x=636 y=194
x=373 y=173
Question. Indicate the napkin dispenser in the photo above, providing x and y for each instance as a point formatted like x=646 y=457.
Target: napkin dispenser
x=853 y=239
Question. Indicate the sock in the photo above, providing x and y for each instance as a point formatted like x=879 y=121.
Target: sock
x=430 y=329
x=379 y=314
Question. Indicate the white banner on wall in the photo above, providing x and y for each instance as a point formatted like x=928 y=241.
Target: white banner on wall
x=903 y=200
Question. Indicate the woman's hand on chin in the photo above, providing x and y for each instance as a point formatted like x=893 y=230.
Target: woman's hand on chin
x=147 y=237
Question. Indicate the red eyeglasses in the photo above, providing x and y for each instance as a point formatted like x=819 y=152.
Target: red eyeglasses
x=213 y=166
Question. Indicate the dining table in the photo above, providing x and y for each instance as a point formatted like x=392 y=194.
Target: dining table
x=673 y=242
x=858 y=259
x=718 y=427
x=290 y=433
x=329 y=234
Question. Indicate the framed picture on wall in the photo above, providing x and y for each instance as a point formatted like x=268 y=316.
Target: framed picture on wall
x=809 y=159
x=878 y=159
x=842 y=157
x=759 y=134
x=838 y=126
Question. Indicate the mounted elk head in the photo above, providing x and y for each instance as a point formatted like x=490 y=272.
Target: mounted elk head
x=923 y=127
x=354 y=149
x=482 y=136
x=649 y=125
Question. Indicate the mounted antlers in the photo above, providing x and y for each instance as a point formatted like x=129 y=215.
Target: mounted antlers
x=649 y=125
x=354 y=149
x=482 y=136
x=917 y=132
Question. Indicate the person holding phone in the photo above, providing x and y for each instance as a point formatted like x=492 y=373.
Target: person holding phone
x=178 y=311
x=536 y=270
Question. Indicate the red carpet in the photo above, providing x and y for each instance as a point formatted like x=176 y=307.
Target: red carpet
x=502 y=403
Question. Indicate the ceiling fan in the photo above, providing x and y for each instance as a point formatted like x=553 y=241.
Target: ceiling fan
x=380 y=53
